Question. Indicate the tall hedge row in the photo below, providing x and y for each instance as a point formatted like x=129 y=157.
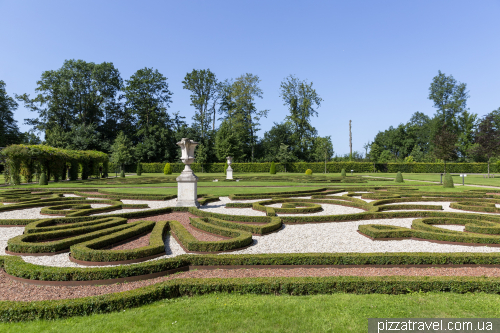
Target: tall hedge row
x=331 y=167
x=28 y=160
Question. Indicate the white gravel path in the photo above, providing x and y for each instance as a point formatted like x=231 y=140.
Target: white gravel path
x=7 y=233
x=446 y=206
x=151 y=204
x=343 y=237
x=451 y=227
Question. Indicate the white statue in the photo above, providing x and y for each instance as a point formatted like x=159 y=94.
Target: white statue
x=229 y=171
x=187 y=182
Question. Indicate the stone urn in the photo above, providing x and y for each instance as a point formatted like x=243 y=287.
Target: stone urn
x=229 y=171
x=187 y=182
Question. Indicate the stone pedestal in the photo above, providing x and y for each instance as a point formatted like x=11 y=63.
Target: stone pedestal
x=187 y=182
x=187 y=189
x=229 y=170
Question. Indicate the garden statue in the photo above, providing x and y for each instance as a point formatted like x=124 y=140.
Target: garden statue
x=229 y=171
x=187 y=182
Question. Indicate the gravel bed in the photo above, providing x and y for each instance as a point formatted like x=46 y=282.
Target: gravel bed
x=6 y=234
x=446 y=206
x=172 y=249
x=343 y=237
x=71 y=196
x=183 y=218
x=28 y=213
x=17 y=291
x=450 y=227
x=133 y=244
x=151 y=204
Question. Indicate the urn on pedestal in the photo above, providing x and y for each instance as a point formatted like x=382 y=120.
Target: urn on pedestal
x=187 y=182
x=229 y=171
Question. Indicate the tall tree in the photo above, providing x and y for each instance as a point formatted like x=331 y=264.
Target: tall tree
x=76 y=94
x=487 y=139
x=450 y=99
x=302 y=101
x=122 y=151
x=204 y=96
x=445 y=147
x=467 y=124
x=239 y=109
x=278 y=134
x=147 y=99
x=323 y=149
x=9 y=132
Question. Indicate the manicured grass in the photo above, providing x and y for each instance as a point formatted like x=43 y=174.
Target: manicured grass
x=265 y=313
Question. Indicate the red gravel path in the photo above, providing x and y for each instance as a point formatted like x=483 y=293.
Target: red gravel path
x=18 y=291
x=183 y=218
x=133 y=244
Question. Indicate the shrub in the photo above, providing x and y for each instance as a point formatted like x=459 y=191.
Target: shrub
x=225 y=168
x=272 y=171
x=167 y=170
x=309 y=172
x=43 y=179
x=122 y=173
x=342 y=173
x=448 y=181
x=399 y=178
x=139 y=169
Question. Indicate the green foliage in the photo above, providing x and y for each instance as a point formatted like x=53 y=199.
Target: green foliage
x=399 y=178
x=43 y=179
x=225 y=168
x=448 y=181
x=9 y=131
x=139 y=169
x=204 y=95
x=309 y=172
x=272 y=170
x=122 y=173
x=122 y=151
x=302 y=100
x=342 y=173
x=167 y=169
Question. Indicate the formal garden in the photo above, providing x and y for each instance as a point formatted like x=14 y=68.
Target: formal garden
x=86 y=249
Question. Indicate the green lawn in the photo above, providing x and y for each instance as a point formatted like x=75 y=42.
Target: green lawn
x=265 y=313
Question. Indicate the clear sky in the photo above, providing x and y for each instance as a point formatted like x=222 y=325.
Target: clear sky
x=370 y=61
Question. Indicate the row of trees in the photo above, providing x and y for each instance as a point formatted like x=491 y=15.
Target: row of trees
x=452 y=134
x=88 y=106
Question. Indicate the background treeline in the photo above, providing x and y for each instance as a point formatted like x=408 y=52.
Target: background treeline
x=453 y=134
x=88 y=106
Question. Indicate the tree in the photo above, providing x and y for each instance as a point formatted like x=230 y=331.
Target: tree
x=487 y=139
x=467 y=124
x=147 y=99
x=445 y=147
x=76 y=94
x=302 y=102
x=450 y=99
x=278 y=134
x=122 y=151
x=226 y=143
x=323 y=149
x=204 y=96
x=284 y=155
x=9 y=132
x=239 y=109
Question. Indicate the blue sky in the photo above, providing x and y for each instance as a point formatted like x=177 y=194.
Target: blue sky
x=371 y=61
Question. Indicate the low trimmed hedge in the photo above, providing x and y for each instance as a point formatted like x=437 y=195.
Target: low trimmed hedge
x=56 y=309
x=262 y=229
x=239 y=238
x=309 y=206
x=43 y=242
x=92 y=250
